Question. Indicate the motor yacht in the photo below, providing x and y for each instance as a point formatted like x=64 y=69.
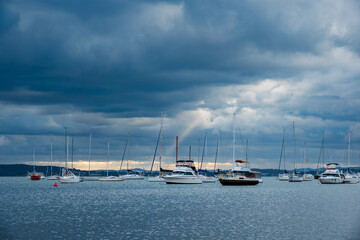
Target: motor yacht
x=332 y=175
x=184 y=173
x=241 y=175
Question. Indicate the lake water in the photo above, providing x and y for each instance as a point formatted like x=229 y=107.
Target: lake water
x=143 y=210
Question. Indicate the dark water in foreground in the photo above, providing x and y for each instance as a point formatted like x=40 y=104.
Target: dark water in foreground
x=143 y=210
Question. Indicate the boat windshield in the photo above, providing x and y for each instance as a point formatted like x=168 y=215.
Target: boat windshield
x=330 y=175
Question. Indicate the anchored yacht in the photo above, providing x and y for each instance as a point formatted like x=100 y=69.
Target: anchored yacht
x=184 y=173
x=332 y=175
x=241 y=175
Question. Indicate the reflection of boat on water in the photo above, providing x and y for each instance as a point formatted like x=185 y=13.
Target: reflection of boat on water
x=241 y=175
x=332 y=175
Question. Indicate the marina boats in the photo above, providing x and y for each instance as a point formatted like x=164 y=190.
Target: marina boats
x=68 y=176
x=294 y=176
x=241 y=175
x=332 y=175
x=110 y=178
x=35 y=176
x=184 y=173
x=91 y=177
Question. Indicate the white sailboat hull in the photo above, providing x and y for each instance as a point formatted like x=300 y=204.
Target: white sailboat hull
x=133 y=177
x=308 y=177
x=69 y=179
x=52 y=178
x=111 y=179
x=283 y=177
x=351 y=179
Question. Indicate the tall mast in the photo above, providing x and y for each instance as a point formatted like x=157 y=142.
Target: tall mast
x=234 y=140
x=72 y=153
x=177 y=146
x=294 y=140
x=34 y=159
x=90 y=152
x=51 y=156
x=123 y=156
x=305 y=156
x=198 y=160
x=203 y=153
x=66 y=153
x=246 y=151
x=348 y=153
x=161 y=129
x=216 y=154
x=107 y=160
x=282 y=152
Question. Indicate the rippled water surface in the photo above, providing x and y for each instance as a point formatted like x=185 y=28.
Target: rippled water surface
x=143 y=210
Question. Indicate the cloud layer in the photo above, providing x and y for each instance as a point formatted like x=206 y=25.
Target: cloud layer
x=112 y=68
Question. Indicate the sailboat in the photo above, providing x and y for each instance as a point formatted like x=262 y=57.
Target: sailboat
x=204 y=178
x=307 y=176
x=131 y=174
x=294 y=176
x=109 y=178
x=184 y=172
x=91 y=177
x=52 y=177
x=349 y=176
x=68 y=176
x=240 y=174
x=35 y=176
x=158 y=178
x=285 y=175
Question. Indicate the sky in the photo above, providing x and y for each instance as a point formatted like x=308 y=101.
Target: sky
x=111 y=68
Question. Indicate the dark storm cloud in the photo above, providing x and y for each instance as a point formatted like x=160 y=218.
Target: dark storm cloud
x=111 y=54
x=90 y=65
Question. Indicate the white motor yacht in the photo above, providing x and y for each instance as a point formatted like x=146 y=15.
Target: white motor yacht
x=184 y=173
x=332 y=175
x=241 y=175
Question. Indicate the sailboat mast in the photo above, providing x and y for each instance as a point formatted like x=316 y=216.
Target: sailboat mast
x=234 y=140
x=107 y=160
x=246 y=152
x=34 y=159
x=123 y=156
x=66 y=154
x=305 y=156
x=72 y=153
x=51 y=156
x=90 y=152
x=203 y=153
x=294 y=140
x=348 y=153
x=216 y=154
x=161 y=129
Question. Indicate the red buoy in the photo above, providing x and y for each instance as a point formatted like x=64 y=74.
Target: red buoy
x=55 y=185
